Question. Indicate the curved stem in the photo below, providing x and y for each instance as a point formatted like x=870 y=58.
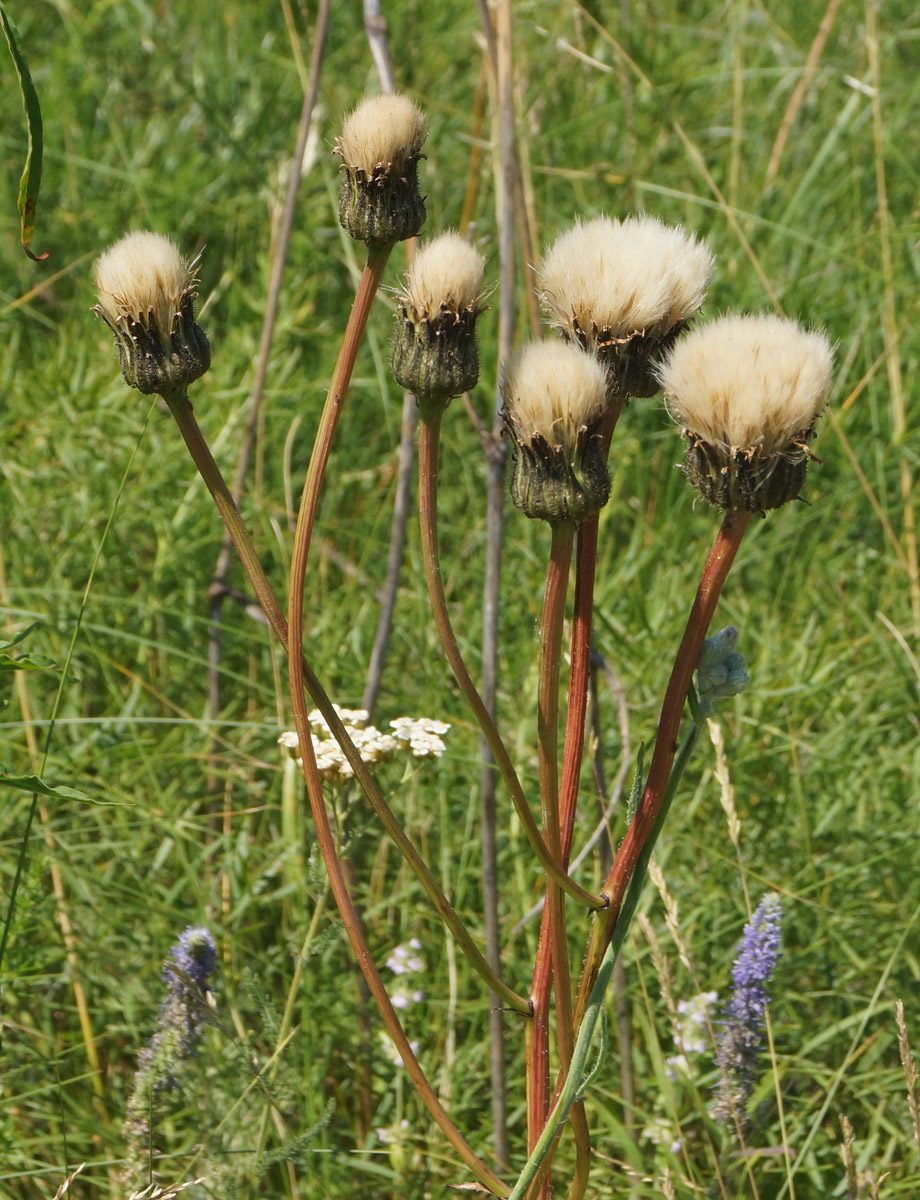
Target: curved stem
x=712 y=581
x=352 y=923
x=429 y=438
x=210 y=472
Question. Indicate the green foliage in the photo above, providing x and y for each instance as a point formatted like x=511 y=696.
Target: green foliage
x=181 y=117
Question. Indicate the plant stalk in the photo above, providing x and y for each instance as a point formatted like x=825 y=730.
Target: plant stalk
x=429 y=440
x=712 y=581
x=210 y=472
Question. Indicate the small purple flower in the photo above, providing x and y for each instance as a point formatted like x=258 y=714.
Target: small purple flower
x=182 y=1016
x=741 y=1039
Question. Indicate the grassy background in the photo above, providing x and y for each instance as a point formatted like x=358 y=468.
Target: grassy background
x=180 y=117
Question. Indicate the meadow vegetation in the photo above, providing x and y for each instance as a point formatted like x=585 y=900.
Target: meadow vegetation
x=180 y=117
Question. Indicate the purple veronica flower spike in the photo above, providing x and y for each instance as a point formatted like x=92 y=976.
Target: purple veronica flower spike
x=741 y=1039
x=192 y=960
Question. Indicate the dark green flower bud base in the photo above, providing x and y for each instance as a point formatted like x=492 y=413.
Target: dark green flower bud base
x=549 y=483
x=629 y=362
x=155 y=365
x=438 y=359
x=745 y=481
x=382 y=209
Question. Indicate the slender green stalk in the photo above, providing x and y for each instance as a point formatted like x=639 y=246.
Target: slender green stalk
x=429 y=438
x=210 y=472
x=713 y=579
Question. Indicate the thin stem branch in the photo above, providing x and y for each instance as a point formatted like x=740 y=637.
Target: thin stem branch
x=568 y=1087
x=554 y=914
x=429 y=438
x=713 y=579
x=210 y=472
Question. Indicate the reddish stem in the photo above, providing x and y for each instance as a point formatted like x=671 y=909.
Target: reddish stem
x=704 y=605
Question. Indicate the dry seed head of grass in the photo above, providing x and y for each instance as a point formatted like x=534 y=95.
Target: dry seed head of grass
x=142 y=277
x=749 y=385
x=616 y=279
x=445 y=278
x=553 y=391
x=381 y=135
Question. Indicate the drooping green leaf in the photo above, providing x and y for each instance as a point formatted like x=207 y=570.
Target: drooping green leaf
x=31 y=179
x=25 y=662
x=32 y=783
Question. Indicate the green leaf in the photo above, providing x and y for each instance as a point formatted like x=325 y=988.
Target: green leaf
x=603 y=1045
x=32 y=783
x=31 y=179
x=635 y=794
x=26 y=662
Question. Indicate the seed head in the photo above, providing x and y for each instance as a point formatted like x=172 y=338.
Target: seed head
x=554 y=399
x=746 y=392
x=380 y=146
x=625 y=289
x=435 y=354
x=146 y=295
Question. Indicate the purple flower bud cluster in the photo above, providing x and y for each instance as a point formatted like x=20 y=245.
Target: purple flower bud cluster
x=185 y=973
x=741 y=1038
x=192 y=960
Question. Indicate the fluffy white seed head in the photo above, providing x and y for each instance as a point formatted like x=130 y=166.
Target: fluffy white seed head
x=553 y=390
x=446 y=275
x=748 y=384
x=382 y=132
x=618 y=279
x=142 y=278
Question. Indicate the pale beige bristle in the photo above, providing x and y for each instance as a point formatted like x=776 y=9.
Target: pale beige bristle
x=554 y=390
x=447 y=274
x=749 y=384
x=143 y=273
x=382 y=131
x=624 y=278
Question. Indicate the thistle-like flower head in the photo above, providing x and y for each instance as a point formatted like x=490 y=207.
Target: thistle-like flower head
x=554 y=400
x=380 y=146
x=434 y=354
x=746 y=392
x=625 y=289
x=146 y=291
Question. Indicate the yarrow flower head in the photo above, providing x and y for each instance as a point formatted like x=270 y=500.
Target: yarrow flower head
x=146 y=295
x=420 y=737
x=380 y=146
x=434 y=354
x=746 y=392
x=187 y=972
x=626 y=290
x=554 y=401
x=742 y=1034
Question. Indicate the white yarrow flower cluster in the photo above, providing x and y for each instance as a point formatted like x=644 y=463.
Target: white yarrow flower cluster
x=419 y=736
x=422 y=736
